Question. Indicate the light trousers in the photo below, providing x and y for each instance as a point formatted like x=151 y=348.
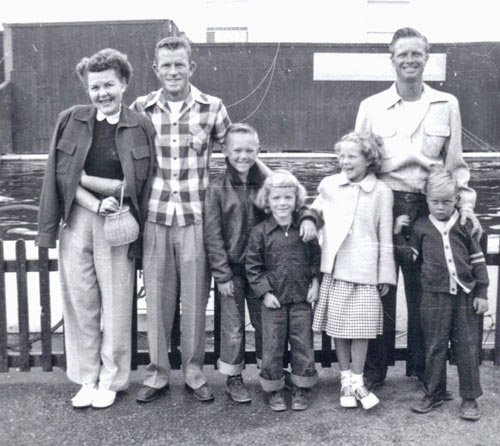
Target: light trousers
x=175 y=266
x=97 y=283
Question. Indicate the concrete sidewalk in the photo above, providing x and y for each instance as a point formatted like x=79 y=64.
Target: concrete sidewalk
x=35 y=410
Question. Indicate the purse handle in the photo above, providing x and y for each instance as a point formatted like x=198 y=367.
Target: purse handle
x=121 y=194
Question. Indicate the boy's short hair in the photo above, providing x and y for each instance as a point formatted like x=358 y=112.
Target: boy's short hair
x=240 y=128
x=173 y=43
x=439 y=179
x=280 y=178
x=405 y=33
x=106 y=59
x=372 y=148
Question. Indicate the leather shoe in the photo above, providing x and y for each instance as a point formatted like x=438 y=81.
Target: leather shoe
x=426 y=404
x=469 y=410
x=147 y=394
x=202 y=393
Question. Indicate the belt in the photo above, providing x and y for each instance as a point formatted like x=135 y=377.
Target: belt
x=409 y=197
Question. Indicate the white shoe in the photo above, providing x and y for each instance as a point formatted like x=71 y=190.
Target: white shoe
x=365 y=397
x=347 y=398
x=84 y=397
x=103 y=398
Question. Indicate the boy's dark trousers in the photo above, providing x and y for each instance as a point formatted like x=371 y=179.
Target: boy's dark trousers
x=292 y=323
x=448 y=317
x=381 y=351
x=232 y=355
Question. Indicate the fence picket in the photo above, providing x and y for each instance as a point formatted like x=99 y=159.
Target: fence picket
x=4 y=358
x=22 y=302
x=45 y=316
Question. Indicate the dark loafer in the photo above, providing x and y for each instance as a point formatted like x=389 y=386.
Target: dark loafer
x=202 y=393
x=426 y=404
x=147 y=394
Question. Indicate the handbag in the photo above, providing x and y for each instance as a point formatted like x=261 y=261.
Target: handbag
x=121 y=227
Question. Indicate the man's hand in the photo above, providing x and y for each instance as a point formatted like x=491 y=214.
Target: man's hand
x=307 y=230
x=383 y=289
x=480 y=305
x=226 y=289
x=401 y=221
x=467 y=214
x=271 y=301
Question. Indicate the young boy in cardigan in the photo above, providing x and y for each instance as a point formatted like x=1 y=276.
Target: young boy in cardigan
x=454 y=281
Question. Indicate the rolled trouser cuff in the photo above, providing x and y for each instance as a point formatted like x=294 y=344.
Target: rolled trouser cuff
x=304 y=381
x=272 y=385
x=230 y=369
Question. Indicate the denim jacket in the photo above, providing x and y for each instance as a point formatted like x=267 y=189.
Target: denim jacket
x=70 y=144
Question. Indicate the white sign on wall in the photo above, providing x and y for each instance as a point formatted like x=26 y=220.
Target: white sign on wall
x=369 y=67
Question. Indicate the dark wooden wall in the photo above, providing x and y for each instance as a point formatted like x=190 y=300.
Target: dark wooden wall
x=299 y=113
x=43 y=78
x=290 y=110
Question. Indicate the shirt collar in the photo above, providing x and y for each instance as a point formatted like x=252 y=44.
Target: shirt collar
x=442 y=226
x=112 y=119
x=271 y=224
x=430 y=94
x=367 y=183
x=194 y=95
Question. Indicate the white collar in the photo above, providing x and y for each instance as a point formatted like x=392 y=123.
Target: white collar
x=367 y=183
x=444 y=226
x=112 y=119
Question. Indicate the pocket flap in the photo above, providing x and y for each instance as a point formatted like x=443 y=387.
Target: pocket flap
x=384 y=131
x=66 y=146
x=140 y=152
x=437 y=130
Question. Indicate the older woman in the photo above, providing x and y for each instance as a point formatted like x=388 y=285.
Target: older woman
x=96 y=151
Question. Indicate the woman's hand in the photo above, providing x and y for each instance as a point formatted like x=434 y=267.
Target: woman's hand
x=108 y=205
x=400 y=223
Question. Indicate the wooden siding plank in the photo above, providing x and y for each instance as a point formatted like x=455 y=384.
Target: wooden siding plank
x=4 y=360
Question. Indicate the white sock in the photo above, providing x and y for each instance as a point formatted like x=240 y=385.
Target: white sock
x=357 y=380
x=345 y=378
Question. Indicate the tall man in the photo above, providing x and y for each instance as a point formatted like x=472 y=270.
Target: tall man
x=187 y=123
x=420 y=127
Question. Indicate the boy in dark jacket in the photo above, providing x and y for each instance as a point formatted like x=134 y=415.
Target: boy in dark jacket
x=454 y=281
x=230 y=214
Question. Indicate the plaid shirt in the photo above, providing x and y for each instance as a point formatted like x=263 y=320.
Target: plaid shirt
x=183 y=149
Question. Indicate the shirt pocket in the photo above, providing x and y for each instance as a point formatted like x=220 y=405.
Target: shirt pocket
x=64 y=152
x=435 y=136
x=388 y=133
x=142 y=158
x=198 y=138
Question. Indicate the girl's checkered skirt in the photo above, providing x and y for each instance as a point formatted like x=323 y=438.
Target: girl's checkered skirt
x=348 y=310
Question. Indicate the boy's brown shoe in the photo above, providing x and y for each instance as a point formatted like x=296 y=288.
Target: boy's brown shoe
x=277 y=401
x=299 y=398
x=469 y=410
x=237 y=390
x=426 y=404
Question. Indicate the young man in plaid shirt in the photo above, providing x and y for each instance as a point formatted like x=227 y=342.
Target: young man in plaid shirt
x=187 y=123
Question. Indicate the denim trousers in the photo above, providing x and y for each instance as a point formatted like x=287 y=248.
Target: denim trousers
x=291 y=323
x=381 y=351
x=232 y=349
x=446 y=317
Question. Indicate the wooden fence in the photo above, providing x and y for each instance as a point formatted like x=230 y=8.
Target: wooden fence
x=23 y=358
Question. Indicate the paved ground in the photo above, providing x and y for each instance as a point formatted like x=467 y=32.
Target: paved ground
x=35 y=410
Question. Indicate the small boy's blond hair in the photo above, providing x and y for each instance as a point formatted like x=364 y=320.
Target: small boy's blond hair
x=280 y=178
x=439 y=179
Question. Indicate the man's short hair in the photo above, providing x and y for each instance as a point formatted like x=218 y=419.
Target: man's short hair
x=242 y=128
x=173 y=43
x=404 y=33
